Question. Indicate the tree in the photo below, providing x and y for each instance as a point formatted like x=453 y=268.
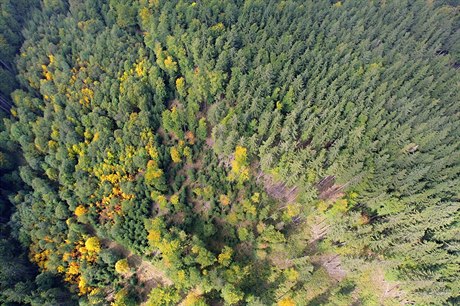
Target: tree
x=240 y=169
x=80 y=210
x=286 y=302
x=202 y=132
x=225 y=256
x=93 y=244
x=180 y=86
x=163 y=296
x=175 y=155
x=122 y=266
x=231 y=294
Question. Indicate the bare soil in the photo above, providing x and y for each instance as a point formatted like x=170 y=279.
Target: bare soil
x=147 y=274
x=277 y=190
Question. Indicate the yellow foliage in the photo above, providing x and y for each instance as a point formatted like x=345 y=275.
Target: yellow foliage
x=152 y=151
x=187 y=152
x=88 y=135
x=198 y=191
x=122 y=266
x=82 y=250
x=232 y=218
x=195 y=249
x=162 y=202
x=286 y=302
x=292 y=210
x=338 y=4
x=48 y=76
x=180 y=86
x=255 y=197
x=225 y=257
x=169 y=249
x=154 y=237
x=219 y=27
x=65 y=256
x=322 y=206
x=170 y=64
x=80 y=210
x=120 y=298
x=174 y=199
x=73 y=268
x=248 y=207
x=261 y=254
x=291 y=274
x=240 y=169
x=353 y=195
x=144 y=14
x=175 y=155
x=181 y=277
x=240 y=155
x=55 y=134
x=41 y=258
x=82 y=286
x=208 y=191
x=93 y=245
x=279 y=105
x=52 y=145
x=341 y=205
x=153 y=172
x=88 y=95
x=140 y=68
x=193 y=298
x=374 y=66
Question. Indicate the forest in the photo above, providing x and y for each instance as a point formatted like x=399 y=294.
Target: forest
x=247 y=152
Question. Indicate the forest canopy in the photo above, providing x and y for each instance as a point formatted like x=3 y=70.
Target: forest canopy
x=229 y=152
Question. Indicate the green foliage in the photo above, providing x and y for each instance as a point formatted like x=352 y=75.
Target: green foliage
x=232 y=146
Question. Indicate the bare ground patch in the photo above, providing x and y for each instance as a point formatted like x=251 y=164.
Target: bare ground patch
x=147 y=274
x=277 y=190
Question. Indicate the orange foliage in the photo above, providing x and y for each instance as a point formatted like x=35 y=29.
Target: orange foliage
x=190 y=137
x=224 y=199
x=41 y=258
x=80 y=210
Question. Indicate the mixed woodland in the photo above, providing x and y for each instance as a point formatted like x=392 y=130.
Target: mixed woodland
x=229 y=152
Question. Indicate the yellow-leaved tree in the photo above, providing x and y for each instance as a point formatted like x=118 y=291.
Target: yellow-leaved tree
x=122 y=266
x=80 y=210
x=93 y=245
x=286 y=302
x=175 y=155
x=240 y=169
